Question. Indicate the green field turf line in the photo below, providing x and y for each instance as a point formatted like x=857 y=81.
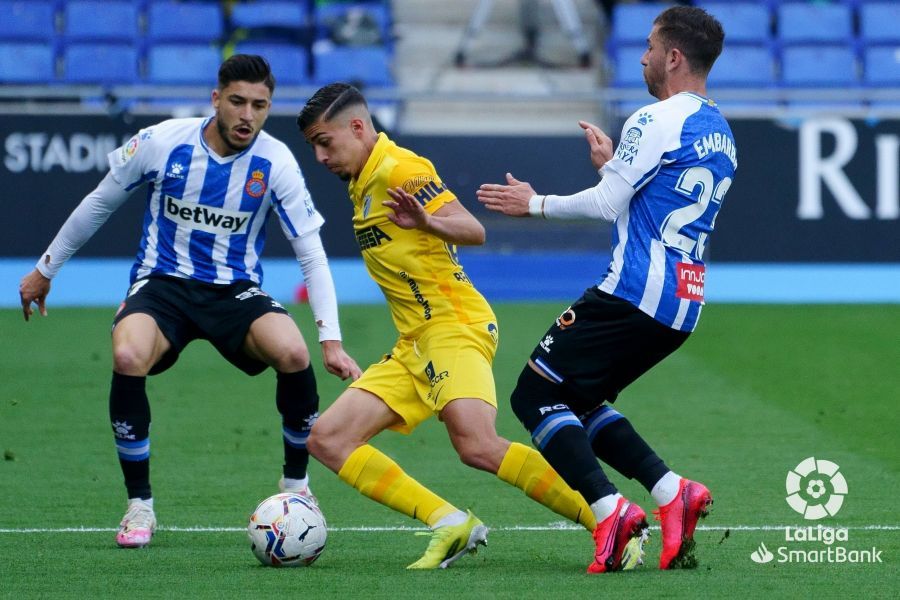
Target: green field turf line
x=560 y=527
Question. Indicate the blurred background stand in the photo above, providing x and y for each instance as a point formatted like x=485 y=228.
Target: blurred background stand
x=566 y=14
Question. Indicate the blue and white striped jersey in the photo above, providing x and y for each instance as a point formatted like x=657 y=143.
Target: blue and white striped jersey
x=679 y=156
x=206 y=214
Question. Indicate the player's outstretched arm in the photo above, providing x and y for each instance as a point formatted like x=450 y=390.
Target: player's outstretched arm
x=34 y=288
x=511 y=199
x=85 y=220
x=452 y=222
x=338 y=362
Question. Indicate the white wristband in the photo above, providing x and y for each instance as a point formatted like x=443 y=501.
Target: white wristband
x=536 y=206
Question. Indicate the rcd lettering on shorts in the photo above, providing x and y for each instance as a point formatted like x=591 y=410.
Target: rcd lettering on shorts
x=545 y=409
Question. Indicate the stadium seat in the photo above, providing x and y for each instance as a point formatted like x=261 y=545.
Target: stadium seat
x=93 y=20
x=185 y=64
x=744 y=22
x=354 y=23
x=100 y=63
x=26 y=63
x=882 y=66
x=169 y=21
x=743 y=66
x=879 y=23
x=32 y=20
x=627 y=70
x=274 y=21
x=365 y=65
x=631 y=23
x=815 y=66
x=288 y=61
x=274 y=13
x=802 y=22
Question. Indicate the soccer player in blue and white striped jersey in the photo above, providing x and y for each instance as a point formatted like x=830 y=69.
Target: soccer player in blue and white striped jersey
x=211 y=185
x=662 y=189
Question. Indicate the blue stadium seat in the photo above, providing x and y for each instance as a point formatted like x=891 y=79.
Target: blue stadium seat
x=100 y=63
x=743 y=66
x=366 y=65
x=186 y=64
x=272 y=21
x=333 y=15
x=184 y=21
x=26 y=63
x=627 y=70
x=631 y=23
x=93 y=20
x=289 y=62
x=803 y=22
x=33 y=20
x=882 y=66
x=269 y=13
x=815 y=66
x=879 y=23
x=744 y=22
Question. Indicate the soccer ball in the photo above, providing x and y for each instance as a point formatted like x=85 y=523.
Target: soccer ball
x=287 y=530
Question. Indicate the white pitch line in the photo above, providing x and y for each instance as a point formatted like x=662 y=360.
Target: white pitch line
x=550 y=527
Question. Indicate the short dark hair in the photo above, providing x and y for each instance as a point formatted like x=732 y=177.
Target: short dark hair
x=695 y=32
x=246 y=67
x=329 y=101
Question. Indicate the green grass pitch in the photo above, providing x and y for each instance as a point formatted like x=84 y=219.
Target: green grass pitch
x=752 y=393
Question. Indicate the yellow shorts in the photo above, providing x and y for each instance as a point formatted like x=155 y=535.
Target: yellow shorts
x=422 y=375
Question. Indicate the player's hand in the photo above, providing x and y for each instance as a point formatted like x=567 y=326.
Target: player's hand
x=600 y=143
x=510 y=199
x=337 y=362
x=408 y=213
x=34 y=288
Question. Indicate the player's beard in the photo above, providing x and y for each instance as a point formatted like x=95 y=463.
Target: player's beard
x=223 y=133
x=652 y=85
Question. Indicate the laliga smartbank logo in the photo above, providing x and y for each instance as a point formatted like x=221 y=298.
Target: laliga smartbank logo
x=815 y=489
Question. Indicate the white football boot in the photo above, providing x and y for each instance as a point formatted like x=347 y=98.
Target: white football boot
x=137 y=525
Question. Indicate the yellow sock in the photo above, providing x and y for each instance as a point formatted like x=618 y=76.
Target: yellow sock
x=381 y=479
x=526 y=469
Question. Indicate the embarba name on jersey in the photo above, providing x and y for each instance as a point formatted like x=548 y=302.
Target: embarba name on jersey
x=716 y=142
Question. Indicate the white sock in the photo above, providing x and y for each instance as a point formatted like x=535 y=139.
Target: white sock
x=666 y=488
x=148 y=501
x=454 y=518
x=605 y=506
x=296 y=485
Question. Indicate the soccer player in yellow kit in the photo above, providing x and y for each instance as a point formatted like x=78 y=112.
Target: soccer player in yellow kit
x=407 y=224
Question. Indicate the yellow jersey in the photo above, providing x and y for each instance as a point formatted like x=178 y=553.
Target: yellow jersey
x=418 y=273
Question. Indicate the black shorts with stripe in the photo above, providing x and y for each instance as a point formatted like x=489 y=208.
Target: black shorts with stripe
x=600 y=345
x=186 y=310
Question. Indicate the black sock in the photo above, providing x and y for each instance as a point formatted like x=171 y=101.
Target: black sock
x=569 y=453
x=298 y=403
x=616 y=443
x=129 y=414
x=559 y=435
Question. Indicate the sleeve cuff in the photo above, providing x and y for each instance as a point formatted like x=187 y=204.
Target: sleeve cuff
x=328 y=331
x=536 y=206
x=45 y=269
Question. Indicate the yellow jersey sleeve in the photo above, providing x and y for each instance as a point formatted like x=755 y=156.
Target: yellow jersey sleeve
x=416 y=176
